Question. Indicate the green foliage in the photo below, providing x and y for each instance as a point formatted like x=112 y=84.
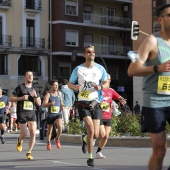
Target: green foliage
x=127 y=124
x=75 y=127
x=121 y=125
x=115 y=123
x=167 y=128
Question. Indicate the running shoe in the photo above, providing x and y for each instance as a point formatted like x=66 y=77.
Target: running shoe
x=29 y=156
x=2 y=140
x=90 y=163
x=19 y=145
x=49 y=146
x=57 y=142
x=99 y=155
x=83 y=147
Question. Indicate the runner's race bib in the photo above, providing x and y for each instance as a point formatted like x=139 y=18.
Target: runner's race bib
x=54 y=109
x=163 y=85
x=105 y=106
x=2 y=105
x=28 y=105
x=85 y=94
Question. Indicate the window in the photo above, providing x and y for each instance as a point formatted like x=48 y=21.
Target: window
x=31 y=63
x=107 y=16
x=3 y=64
x=71 y=38
x=108 y=46
x=87 y=14
x=71 y=7
x=30 y=4
x=64 y=70
x=88 y=39
x=30 y=39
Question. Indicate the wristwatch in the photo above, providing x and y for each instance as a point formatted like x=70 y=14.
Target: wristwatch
x=155 y=68
x=101 y=87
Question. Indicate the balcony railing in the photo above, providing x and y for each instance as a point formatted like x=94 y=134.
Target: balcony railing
x=106 y=20
x=5 y=40
x=110 y=50
x=33 y=5
x=5 y=4
x=32 y=42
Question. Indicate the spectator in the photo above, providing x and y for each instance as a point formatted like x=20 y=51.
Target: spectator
x=68 y=100
x=13 y=117
x=137 y=108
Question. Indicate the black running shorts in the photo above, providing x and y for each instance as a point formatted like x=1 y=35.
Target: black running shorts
x=153 y=120
x=106 y=122
x=51 y=119
x=23 y=117
x=2 y=118
x=84 y=110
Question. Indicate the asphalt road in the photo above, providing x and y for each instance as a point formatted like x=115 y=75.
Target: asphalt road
x=70 y=157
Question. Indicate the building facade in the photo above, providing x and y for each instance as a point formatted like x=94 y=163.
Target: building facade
x=24 y=31
x=106 y=24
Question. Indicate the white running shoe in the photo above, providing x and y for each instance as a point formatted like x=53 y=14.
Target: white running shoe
x=99 y=155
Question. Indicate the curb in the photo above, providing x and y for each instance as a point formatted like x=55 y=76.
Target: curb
x=113 y=141
x=124 y=141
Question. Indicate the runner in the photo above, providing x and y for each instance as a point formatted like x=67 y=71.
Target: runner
x=53 y=100
x=109 y=94
x=26 y=95
x=4 y=110
x=89 y=79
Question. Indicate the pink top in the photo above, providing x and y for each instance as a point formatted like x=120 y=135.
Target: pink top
x=109 y=94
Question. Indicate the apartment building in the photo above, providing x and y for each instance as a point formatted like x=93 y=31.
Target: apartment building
x=106 y=24
x=147 y=20
x=24 y=31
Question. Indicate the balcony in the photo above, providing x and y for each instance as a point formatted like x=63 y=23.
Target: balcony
x=5 y=40
x=33 y=6
x=5 y=4
x=28 y=42
x=111 y=51
x=101 y=21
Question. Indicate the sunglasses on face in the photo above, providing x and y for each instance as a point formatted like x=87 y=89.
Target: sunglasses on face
x=168 y=15
x=90 y=51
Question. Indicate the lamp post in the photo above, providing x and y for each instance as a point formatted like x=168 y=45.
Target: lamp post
x=74 y=56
